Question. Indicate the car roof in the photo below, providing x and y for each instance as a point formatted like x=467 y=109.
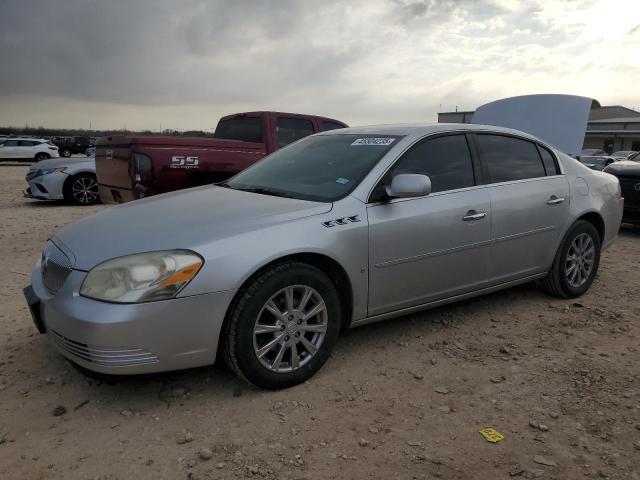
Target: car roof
x=422 y=129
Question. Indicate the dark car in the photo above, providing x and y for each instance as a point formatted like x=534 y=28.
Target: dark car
x=628 y=173
x=596 y=163
x=70 y=145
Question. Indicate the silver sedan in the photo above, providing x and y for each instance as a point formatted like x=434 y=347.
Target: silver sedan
x=337 y=230
x=69 y=179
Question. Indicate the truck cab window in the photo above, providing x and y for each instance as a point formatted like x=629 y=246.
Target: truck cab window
x=290 y=129
x=246 y=129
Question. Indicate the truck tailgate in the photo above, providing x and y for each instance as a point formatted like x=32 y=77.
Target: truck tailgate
x=112 y=169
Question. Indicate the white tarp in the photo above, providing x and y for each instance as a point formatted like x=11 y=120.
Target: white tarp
x=560 y=120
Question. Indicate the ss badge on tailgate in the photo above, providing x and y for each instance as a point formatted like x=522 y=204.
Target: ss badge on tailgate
x=180 y=161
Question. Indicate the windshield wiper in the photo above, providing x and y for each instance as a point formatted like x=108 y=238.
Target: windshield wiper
x=266 y=191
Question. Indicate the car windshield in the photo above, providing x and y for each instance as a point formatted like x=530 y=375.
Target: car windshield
x=322 y=168
x=593 y=160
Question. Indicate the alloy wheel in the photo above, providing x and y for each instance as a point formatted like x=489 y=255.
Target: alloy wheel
x=580 y=260
x=290 y=328
x=85 y=190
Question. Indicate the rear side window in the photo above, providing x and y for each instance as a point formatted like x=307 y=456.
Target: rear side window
x=508 y=158
x=290 y=129
x=27 y=143
x=446 y=160
x=246 y=129
x=548 y=161
x=327 y=125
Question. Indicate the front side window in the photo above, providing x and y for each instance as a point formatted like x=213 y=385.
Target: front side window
x=445 y=160
x=508 y=158
x=245 y=129
x=322 y=168
x=291 y=129
x=10 y=143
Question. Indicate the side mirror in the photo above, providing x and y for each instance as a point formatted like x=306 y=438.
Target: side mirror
x=409 y=185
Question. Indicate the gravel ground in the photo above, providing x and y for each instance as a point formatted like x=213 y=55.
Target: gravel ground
x=560 y=379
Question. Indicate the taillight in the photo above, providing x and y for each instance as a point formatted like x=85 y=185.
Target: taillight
x=53 y=148
x=141 y=168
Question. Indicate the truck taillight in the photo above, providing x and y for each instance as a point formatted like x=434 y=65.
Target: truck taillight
x=141 y=168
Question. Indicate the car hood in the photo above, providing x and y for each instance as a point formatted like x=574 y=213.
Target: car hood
x=60 y=162
x=186 y=219
x=627 y=168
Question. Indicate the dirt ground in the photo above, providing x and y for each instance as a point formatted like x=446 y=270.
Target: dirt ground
x=560 y=379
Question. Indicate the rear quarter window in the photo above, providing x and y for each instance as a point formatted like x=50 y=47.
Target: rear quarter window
x=550 y=165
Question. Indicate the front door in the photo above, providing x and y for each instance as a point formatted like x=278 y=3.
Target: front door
x=428 y=248
x=8 y=149
x=529 y=205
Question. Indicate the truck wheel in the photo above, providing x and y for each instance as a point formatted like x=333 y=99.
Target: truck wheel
x=65 y=152
x=81 y=189
x=283 y=326
x=41 y=156
x=576 y=263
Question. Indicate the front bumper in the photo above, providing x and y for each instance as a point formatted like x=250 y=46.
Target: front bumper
x=46 y=187
x=128 y=339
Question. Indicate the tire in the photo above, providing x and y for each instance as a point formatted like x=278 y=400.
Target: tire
x=41 y=156
x=81 y=189
x=562 y=281
x=65 y=152
x=277 y=367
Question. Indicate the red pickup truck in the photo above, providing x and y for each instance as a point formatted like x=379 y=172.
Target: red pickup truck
x=129 y=168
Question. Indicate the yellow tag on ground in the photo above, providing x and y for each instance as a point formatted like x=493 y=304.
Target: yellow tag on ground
x=491 y=435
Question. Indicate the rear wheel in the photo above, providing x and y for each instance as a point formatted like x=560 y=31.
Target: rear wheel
x=82 y=189
x=576 y=263
x=41 y=156
x=283 y=326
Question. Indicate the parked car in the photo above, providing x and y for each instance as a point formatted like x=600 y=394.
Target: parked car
x=130 y=168
x=64 y=179
x=623 y=154
x=340 y=229
x=27 y=149
x=70 y=145
x=90 y=152
x=596 y=163
x=635 y=157
x=628 y=173
x=593 y=152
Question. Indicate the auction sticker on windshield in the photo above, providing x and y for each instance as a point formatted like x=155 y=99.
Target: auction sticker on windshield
x=383 y=142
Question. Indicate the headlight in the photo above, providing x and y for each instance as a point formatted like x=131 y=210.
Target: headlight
x=144 y=277
x=47 y=171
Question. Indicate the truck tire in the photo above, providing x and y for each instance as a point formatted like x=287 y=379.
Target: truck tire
x=576 y=262
x=65 y=152
x=81 y=189
x=282 y=326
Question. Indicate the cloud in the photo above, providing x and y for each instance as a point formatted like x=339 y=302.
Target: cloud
x=364 y=61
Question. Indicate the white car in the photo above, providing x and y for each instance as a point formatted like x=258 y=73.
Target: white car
x=27 y=149
x=73 y=180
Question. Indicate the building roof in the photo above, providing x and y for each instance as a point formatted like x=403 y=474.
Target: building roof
x=617 y=120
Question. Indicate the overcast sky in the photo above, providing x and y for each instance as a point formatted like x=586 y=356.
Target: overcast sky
x=182 y=64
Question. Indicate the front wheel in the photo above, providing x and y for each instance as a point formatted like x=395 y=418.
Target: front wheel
x=576 y=263
x=65 y=152
x=283 y=326
x=82 y=189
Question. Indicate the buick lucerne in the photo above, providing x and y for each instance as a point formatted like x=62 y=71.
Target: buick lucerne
x=339 y=229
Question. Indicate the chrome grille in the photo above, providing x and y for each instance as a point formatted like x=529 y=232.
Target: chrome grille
x=108 y=357
x=55 y=266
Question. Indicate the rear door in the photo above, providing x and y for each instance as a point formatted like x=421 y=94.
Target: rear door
x=529 y=205
x=26 y=148
x=428 y=248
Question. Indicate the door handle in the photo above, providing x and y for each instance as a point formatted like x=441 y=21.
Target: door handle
x=472 y=215
x=553 y=200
